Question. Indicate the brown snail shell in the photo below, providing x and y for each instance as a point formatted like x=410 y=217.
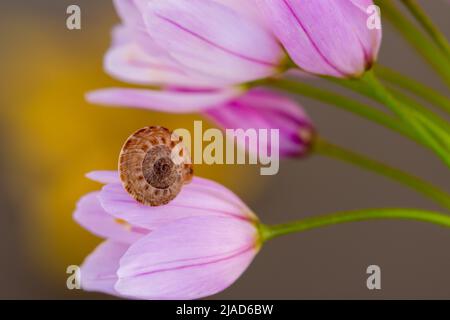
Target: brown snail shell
x=154 y=165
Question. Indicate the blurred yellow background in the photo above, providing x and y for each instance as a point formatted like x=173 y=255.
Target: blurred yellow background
x=51 y=137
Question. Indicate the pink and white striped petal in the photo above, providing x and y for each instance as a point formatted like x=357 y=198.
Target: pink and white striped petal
x=170 y=100
x=327 y=37
x=213 y=39
x=99 y=269
x=188 y=259
x=201 y=197
x=91 y=215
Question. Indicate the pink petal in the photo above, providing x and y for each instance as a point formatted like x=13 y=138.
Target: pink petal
x=120 y=35
x=130 y=63
x=91 y=215
x=325 y=37
x=98 y=272
x=199 y=198
x=162 y=100
x=124 y=35
x=213 y=39
x=129 y=13
x=104 y=176
x=246 y=8
x=263 y=109
x=188 y=259
x=133 y=27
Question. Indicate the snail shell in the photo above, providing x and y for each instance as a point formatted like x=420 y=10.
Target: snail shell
x=154 y=165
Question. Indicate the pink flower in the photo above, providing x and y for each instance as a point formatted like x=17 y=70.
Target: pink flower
x=192 y=55
x=256 y=109
x=150 y=50
x=213 y=39
x=195 y=246
x=172 y=86
x=263 y=109
x=326 y=37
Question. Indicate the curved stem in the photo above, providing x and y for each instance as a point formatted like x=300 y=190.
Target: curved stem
x=408 y=105
x=417 y=39
x=427 y=125
x=420 y=125
x=411 y=128
x=273 y=231
x=341 y=102
x=426 y=93
x=428 y=25
x=412 y=103
x=327 y=149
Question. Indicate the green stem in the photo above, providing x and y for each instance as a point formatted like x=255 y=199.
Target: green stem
x=341 y=102
x=413 y=110
x=439 y=134
x=273 y=231
x=412 y=103
x=327 y=149
x=415 y=121
x=428 y=25
x=426 y=93
x=431 y=129
x=370 y=88
x=355 y=85
x=417 y=39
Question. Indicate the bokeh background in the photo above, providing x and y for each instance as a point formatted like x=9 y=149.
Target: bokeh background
x=50 y=137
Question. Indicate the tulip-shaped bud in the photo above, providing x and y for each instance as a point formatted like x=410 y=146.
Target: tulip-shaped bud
x=326 y=37
x=195 y=246
x=213 y=39
x=263 y=109
x=191 y=54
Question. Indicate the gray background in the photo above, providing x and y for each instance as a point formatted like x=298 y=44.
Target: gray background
x=326 y=263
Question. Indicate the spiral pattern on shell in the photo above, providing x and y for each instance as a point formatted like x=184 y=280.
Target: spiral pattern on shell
x=154 y=165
